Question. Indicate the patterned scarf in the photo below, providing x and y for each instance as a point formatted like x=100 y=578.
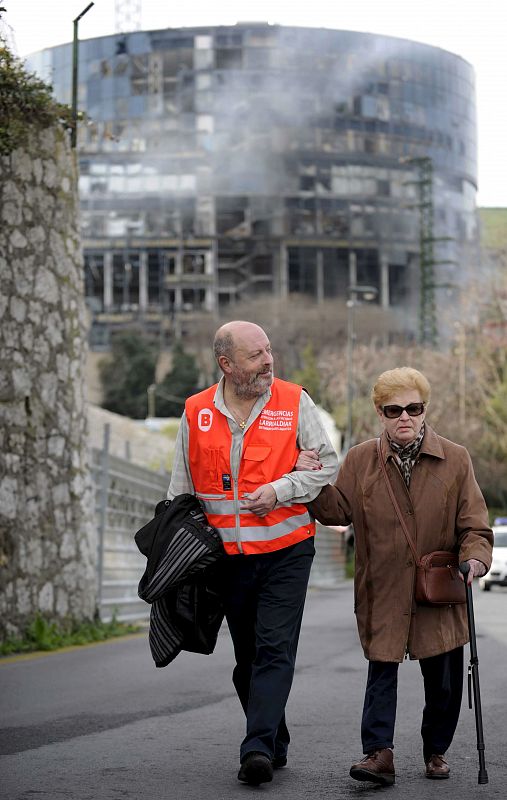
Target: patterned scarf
x=407 y=454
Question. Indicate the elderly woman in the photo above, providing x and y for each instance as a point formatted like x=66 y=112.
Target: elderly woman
x=434 y=484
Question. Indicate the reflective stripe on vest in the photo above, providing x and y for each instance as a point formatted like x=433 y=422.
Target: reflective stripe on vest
x=252 y=527
x=269 y=451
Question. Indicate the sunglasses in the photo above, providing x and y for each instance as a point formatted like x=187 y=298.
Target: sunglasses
x=393 y=412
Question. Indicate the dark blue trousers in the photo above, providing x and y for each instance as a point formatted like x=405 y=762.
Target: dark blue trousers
x=264 y=597
x=443 y=689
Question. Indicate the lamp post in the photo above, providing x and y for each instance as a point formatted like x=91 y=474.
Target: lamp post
x=460 y=352
x=75 y=64
x=151 y=399
x=367 y=293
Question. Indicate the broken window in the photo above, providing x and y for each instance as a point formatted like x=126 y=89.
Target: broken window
x=367 y=267
x=336 y=272
x=94 y=280
x=229 y=58
x=306 y=183
x=193 y=299
x=302 y=270
x=333 y=216
x=125 y=281
x=301 y=215
x=193 y=264
x=121 y=64
x=398 y=284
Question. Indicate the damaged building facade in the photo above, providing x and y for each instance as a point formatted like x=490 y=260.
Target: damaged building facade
x=222 y=163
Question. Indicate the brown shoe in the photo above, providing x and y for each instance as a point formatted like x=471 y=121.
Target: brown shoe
x=377 y=767
x=437 y=767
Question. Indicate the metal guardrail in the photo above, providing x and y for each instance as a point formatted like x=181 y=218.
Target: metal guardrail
x=125 y=498
x=331 y=547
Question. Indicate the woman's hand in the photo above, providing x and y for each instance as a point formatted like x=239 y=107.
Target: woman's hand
x=477 y=570
x=308 y=460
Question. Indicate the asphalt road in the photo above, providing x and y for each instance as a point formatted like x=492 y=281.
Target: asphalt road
x=101 y=723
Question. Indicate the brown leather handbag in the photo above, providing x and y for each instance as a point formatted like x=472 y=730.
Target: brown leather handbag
x=437 y=581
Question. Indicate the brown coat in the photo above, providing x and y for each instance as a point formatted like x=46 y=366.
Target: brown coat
x=444 y=509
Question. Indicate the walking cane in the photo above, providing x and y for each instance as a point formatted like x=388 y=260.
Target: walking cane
x=473 y=676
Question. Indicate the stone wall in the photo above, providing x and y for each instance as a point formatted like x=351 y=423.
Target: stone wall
x=47 y=532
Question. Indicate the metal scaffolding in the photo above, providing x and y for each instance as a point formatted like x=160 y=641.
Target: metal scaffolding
x=428 y=332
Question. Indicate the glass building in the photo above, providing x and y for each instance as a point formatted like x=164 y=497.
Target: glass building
x=220 y=163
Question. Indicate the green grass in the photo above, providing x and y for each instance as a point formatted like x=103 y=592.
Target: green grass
x=43 y=635
x=350 y=565
x=171 y=429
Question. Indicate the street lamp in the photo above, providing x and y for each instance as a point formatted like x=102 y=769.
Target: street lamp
x=151 y=399
x=367 y=293
x=127 y=277
x=461 y=352
x=75 y=63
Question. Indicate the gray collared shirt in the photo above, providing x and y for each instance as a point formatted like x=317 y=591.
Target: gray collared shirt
x=294 y=487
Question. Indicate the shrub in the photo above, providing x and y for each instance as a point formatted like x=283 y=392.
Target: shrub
x=43 y=635
x=25 y=103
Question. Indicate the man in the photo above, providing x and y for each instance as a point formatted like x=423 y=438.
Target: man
x=236 y=448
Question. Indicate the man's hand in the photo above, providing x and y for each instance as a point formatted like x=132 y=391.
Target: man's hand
x=308 y=459
x=477 y=570
x=260 y=502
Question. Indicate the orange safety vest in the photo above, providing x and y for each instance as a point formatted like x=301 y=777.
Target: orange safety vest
x=269 y=451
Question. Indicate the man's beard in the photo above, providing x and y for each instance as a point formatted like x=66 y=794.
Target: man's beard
x=248 y=386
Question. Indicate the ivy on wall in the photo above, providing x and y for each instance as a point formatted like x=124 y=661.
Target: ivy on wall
x=25 y=102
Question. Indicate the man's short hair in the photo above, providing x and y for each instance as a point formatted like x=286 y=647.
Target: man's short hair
x=223 y=345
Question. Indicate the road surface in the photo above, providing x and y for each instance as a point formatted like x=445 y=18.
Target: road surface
x=101 y=723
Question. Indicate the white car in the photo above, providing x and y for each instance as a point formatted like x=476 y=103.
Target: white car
x=497 y=576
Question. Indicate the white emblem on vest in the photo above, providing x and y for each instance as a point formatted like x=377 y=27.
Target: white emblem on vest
x=205 y=419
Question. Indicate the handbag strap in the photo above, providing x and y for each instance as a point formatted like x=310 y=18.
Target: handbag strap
x=395 y=502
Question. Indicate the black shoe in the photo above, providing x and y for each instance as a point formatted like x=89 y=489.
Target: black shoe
x=255 y=768
x=279 y=762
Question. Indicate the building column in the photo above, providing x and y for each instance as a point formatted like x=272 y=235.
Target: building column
x=108 y=280
x=143 y=281
x=384 y=281
x=352 y=268
x=178 y=271
x=283 y=271
x=319 y=276
x=210 y=298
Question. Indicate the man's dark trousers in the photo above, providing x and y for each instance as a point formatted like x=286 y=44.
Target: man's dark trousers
x=264 y=597
x=443 y=688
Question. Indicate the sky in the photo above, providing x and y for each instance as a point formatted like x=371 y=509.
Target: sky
x=473 y=29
